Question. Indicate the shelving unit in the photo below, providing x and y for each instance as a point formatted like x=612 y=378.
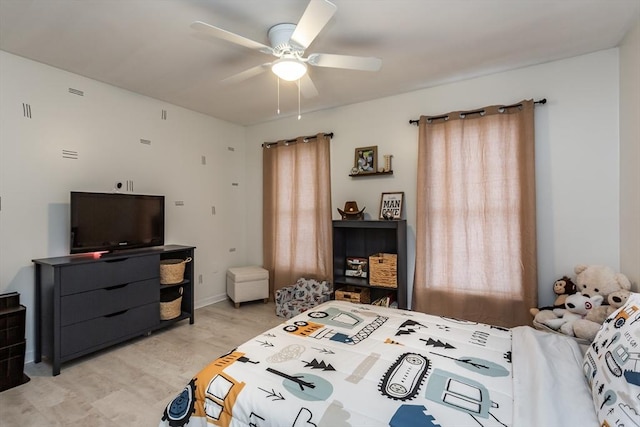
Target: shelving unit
x=187 y=306
x=85 y=303
x=362 y=238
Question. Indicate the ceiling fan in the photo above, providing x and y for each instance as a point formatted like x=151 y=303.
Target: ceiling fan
x=288 y=43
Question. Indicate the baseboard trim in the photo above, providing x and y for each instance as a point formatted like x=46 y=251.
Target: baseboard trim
x=210 y=300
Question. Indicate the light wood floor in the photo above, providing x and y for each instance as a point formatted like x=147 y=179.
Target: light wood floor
x=130 y=385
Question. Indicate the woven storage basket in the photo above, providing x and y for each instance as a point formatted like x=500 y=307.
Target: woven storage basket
x=172 y=270
x=383 y=270
x=171 y=309
x=353 y=294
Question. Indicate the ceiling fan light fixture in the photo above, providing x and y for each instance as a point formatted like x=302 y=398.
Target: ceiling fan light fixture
x=289 y=69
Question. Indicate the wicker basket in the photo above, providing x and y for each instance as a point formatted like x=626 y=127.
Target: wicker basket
x=383 y=270
x=172 y=270
x=353 y=294
x=171 y=309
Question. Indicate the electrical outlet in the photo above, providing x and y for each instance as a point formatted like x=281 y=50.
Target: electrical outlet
x=200 y=278
x=213 y=210
x=179 y=203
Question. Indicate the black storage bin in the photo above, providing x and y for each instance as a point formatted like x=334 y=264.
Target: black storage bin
x=12 y=342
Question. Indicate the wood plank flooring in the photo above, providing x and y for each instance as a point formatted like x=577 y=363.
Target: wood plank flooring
x=130 y=384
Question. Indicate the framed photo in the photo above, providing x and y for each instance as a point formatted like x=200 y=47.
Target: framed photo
x=356 y=267
x=366 y=160
x=391 y=205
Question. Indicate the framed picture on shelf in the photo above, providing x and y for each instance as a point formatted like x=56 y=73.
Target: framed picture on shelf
x=391 y=205
x=356 y=267
x=366 y=160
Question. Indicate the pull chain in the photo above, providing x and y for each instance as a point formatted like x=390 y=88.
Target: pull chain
x=299 y=115
x=278 y=79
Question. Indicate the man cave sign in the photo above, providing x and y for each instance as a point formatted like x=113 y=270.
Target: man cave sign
x=391 y=205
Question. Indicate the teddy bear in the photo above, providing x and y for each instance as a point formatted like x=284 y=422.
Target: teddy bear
x=615 y=300
x=562 y=288
x=577 y=306
x=599 y=280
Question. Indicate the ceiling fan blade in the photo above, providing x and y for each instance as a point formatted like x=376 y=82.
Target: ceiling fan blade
x=313 y=20
x=362 y=63
x=307 y=88
x=229 y=36
x=246 y=74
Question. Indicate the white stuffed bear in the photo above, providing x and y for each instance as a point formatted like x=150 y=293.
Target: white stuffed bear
x=599 y=280
x=577 y=307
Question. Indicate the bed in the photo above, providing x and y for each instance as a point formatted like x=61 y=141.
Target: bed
x=342 y=364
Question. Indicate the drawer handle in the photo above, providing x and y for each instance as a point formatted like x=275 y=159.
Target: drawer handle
x=116 y=260
x=110 y=288
x=118 y=313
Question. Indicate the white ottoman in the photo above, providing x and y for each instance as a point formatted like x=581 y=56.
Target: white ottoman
x=247 y=284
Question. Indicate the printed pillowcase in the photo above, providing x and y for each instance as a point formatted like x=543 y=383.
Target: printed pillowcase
x=612 y=366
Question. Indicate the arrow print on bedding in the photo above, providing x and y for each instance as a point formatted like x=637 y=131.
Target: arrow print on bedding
x=272 y=394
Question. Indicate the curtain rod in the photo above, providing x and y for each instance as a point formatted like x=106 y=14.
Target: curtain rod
x=304 y=138
x=541 y=102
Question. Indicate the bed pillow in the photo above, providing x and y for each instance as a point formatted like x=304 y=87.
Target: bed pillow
x=612 y=366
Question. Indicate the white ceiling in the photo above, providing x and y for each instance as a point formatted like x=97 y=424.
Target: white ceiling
x=147 y=46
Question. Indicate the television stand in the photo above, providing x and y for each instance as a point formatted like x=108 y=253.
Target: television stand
x=85 y=303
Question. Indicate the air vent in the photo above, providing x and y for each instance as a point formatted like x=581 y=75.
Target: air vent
x=76 y=91
x=145 y=142
x=26 y=110
x=69 y=154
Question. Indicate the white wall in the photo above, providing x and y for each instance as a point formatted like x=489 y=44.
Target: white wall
x=630 y=155
x=577 y=154
x=105 y=127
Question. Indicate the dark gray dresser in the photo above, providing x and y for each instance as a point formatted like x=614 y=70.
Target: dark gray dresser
x=86 y=303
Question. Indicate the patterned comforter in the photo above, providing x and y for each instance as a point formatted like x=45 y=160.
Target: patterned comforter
x=342 y=364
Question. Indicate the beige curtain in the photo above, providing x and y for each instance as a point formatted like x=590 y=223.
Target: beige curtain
x=476 y=222
x=297 y=228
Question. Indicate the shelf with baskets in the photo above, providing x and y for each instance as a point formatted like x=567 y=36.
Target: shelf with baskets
x=381 y=242
x=176 y=285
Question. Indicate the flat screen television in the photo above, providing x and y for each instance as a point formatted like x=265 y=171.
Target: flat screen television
x=114 y=221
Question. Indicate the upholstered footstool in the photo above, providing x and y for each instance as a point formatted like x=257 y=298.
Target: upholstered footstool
x=247 y=284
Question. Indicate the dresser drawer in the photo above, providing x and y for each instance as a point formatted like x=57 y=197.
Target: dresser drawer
x=101 y=302
x=107 y=273
x=84 y=336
